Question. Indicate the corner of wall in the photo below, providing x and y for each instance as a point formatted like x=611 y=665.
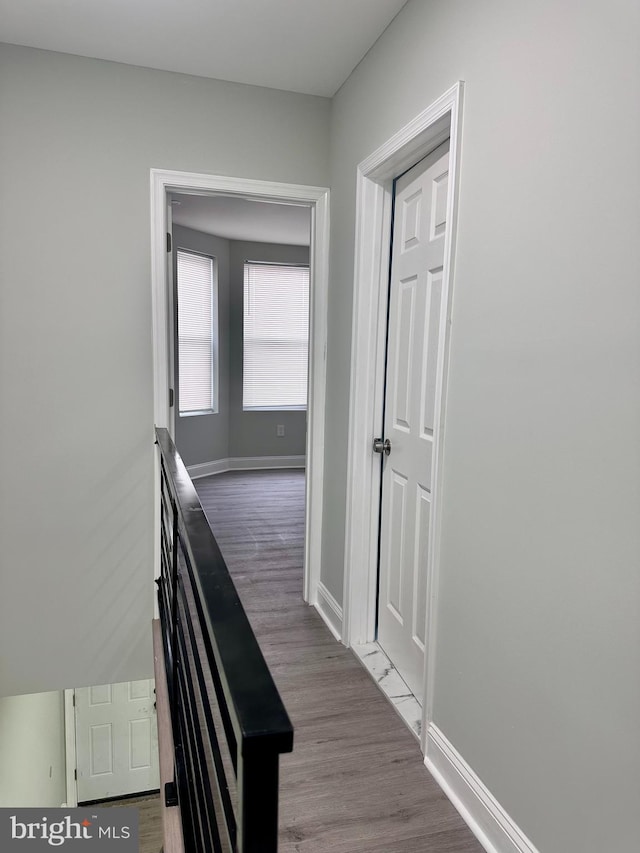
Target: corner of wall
x=483 y=814
x=329 y=610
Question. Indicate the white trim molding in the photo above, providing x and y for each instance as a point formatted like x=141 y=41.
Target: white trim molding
x=374 y=200
x=206 y=469
x=329 y=610
x=317 y=199
x=485 y=817
x=255 y=463
x=70 y=749
x=244 y=463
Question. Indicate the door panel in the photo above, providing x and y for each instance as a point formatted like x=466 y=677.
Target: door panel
x=101 y=749
x=402 y=378
x=423 y=519
x=430 y=368
x=415 y=306
x=116 y=740
x=397 y=514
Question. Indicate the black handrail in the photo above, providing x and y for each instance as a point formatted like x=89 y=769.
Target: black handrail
x=229 y=723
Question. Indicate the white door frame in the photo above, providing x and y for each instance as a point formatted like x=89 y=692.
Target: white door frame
x=163 y=182
x=374 y=200
x=71 y=758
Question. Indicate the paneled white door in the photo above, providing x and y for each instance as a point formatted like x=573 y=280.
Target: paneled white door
x=415 y=307
x=116 y=740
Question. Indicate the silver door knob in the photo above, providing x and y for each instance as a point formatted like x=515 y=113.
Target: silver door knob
x=380 y=446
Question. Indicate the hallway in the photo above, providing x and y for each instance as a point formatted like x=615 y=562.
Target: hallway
x=355 y=782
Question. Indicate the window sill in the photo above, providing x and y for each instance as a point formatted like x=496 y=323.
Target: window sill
x=274 y=408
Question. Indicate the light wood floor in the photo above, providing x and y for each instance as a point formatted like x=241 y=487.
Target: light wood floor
x=149 y=820
x=355 y=782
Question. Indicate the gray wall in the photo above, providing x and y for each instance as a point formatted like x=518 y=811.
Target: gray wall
x=202 y=438
x=78 y=139
x=538 y=636
x=32 y=746
x=254 y=433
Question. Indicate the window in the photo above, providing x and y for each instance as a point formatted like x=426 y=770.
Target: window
x=276 y=336
x=197 y=334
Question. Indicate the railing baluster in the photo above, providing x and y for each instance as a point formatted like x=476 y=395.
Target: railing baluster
x=174 y=601
x=229 y=804
x=258 y=801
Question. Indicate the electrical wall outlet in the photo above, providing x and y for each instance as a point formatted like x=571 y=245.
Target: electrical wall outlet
x=280 y=430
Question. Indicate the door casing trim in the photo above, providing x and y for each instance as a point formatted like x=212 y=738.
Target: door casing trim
x=374 y=197
x=71 y=758
x=317 y=198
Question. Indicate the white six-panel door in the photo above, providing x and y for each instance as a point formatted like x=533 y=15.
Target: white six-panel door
x=415 y=302
x=116 y=740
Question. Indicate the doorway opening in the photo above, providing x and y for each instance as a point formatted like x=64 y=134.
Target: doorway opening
x=240 y=305
x=409 y=442
x=181 y=186
x=438 y=124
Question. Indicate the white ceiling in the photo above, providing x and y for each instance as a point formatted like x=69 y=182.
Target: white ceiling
x=242 y=219
x=306 y=46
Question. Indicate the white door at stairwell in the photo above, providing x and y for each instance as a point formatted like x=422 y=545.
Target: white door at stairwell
x=413 y=368
x=116 y=740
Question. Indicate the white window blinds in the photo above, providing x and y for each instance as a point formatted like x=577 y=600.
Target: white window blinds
x=276 y=336
x=197 y=334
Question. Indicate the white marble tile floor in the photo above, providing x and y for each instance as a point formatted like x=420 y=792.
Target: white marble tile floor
x=389 y=681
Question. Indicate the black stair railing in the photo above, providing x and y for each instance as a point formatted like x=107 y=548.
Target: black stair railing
x=229 y=723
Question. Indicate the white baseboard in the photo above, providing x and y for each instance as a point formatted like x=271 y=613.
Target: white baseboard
x=480 y=810
x=329 y=610
x=205 y=469
x=254 y=463
x=244 y=463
